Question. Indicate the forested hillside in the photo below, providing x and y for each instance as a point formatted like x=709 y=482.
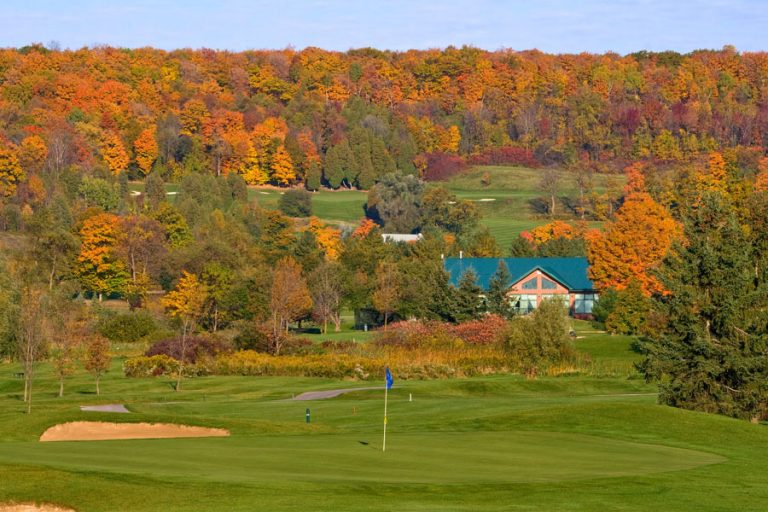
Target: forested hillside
x=342 y=119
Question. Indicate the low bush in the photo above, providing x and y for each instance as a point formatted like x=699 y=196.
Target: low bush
x=198 y=348
x=152 y=366
x=127 y=327
x=296 y=203
x=441 y=166
x=483 y=331
x=369 y=364
x=161 y=364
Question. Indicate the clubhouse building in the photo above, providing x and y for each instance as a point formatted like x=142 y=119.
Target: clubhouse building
x=533 y=280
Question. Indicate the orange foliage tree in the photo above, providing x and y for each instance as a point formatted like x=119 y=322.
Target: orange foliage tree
x=634 y=242
x=145 y=148
x=328 y=238
x=98 y=268
x=289 y=300
x=113 y=152
x=761 y=182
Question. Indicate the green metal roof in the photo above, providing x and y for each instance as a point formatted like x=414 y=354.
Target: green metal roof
x=570 y=272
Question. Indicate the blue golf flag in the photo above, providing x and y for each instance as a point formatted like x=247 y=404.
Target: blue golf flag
x=390 y=381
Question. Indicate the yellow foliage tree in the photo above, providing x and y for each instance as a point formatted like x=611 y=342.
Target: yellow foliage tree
x=185 y=303
x=282 y=167
x=32 y=153
x=715 y=179
x=11 y=172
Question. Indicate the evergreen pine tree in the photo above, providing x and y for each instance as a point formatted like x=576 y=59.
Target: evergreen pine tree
x=314 y=176
x=710 y=356
x=468 y=297
x=498 y=302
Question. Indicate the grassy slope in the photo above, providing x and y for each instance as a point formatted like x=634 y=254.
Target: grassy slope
x=494 y=443
x=513 y=190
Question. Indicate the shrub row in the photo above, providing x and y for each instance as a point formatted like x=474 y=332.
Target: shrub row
x=406 y=363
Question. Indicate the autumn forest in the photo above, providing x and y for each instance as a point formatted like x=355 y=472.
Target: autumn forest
x=132 y=176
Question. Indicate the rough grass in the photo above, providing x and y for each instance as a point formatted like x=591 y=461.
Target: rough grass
x=496 y=443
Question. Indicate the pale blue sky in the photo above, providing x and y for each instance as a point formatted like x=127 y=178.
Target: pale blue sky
x=549 y=25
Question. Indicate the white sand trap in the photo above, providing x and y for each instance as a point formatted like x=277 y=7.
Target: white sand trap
x=265 y=193
x=171 y=193
x=133 y=193
x=486 y=200
x=103 y=431
x=32 y=507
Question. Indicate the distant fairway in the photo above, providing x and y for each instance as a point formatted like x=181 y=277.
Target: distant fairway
x=507 y=204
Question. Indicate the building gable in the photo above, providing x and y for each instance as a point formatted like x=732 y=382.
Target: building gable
x=538 y=281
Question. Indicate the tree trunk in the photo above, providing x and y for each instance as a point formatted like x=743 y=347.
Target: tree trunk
x=386 y=316
x=29 y=398
x=61 y=387
x=53 y=272
x=98 y=392
x=183 y=354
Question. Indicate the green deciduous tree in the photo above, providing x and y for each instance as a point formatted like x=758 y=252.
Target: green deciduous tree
x=540 y=339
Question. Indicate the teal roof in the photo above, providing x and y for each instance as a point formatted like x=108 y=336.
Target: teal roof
x=570 y=272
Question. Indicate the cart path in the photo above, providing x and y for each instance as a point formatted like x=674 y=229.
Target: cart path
x=105 y=408
x=331 y=393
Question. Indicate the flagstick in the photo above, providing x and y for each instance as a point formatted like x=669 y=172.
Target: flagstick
x=384 y=444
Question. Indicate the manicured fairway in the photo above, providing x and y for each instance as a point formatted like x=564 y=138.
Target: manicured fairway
x=420 y=458
x=577 y=443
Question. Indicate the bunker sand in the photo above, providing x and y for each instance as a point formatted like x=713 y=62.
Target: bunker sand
x=104 y=431
x=32 y=507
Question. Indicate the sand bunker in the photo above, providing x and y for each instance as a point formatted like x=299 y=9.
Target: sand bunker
x=31 y=507
x=103 y=431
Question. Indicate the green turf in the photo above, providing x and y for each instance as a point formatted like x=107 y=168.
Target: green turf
x=576 y=443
